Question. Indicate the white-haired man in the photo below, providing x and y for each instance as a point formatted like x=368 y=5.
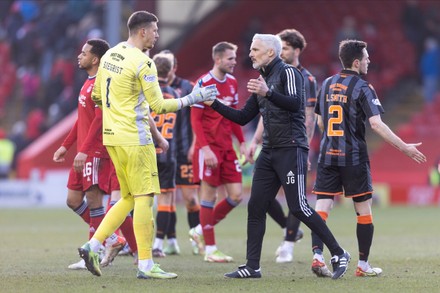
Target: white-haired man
x=278 y=94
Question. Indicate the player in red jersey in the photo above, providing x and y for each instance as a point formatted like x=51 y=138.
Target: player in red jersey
x=215 y=162
x=89 y=175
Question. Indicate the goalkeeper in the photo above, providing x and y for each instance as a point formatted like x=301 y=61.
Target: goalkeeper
x=126 y=87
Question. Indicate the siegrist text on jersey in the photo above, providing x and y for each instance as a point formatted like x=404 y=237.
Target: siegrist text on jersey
x=111 y=67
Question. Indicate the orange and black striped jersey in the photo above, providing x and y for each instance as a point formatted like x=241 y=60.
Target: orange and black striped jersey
x=184 y=132
x=166 y=125
x=310 y=86
x=345 y=102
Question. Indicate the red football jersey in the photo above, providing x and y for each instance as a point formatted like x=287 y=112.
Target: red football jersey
x=88 y=127
x=210 y=127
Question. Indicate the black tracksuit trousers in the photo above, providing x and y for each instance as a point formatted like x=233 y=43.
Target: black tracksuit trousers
x=276 y=167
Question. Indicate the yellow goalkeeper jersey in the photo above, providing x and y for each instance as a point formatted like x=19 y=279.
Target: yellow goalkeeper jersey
x=126 y=87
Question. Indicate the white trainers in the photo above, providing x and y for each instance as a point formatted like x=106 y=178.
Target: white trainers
x=370 y=272
x=320 y=269
x=172 y=249
x=125 y=250
x=101 y=253
x=218 y=256
x=197 y=238
x=194 y=247
x=284 y=253
x=81 y=265
x=112 y=250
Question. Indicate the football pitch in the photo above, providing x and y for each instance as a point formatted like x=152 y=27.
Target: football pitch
x=37 y=245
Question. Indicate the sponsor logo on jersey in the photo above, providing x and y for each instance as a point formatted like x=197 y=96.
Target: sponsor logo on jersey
x=116 y=56
x=150 y=78
x=82 y=100
x=226 y=101
x=338 y=87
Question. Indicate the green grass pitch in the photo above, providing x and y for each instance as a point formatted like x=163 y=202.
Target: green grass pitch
x=37 y=245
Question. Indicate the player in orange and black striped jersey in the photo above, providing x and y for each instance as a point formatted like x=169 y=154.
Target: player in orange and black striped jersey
x=345 y=103
x=166 y=161
x=185 y=150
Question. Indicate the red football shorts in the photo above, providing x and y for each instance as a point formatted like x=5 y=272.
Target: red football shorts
x=96 y=171
x=228 y=169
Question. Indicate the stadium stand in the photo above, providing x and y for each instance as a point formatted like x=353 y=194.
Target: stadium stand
x=390 y=167
x=393 y=56
x=38 y=155
x=393 y=59
x=54 y=30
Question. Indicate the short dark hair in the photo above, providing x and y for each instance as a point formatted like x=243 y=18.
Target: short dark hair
x=99 y=47
x=350 y=50
x=163 y=65
x=221 y=47
x=293 y=38
x=140 y=19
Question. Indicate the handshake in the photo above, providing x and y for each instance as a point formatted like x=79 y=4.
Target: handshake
x=200 y=94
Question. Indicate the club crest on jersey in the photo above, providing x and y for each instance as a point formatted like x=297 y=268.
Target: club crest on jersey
x=376 y=102
x=82 y=100
x=290 y=178
x=150 y=78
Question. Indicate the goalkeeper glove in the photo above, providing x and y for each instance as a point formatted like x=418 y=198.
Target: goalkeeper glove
x=200 y=94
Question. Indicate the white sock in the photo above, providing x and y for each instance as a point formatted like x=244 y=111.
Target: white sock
x=210 y=249
x=145 y=265
x=112 y=239
x=199 y=230
x=172 y=241
x=363 y=265
x=288 y=245
x=319 y=257
x=94 y=244
x=158 y=243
